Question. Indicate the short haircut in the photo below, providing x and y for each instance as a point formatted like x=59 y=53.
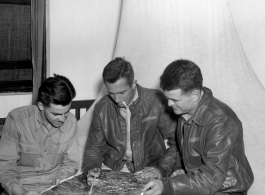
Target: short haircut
x=181 y=74
x=57 y=90
x=117 y=69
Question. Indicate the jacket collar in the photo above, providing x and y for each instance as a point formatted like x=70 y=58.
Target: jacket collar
x=137 y=104
x=198 y=115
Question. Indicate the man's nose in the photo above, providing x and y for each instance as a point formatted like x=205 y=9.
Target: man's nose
x=63 y=117
x=170 y=103
x=116 y=98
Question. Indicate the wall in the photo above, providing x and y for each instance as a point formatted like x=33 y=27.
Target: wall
x=249 y=19
x=80 y=41
x=81 y=38
x=9 y=102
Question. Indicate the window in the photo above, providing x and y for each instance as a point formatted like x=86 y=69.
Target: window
x=15 y=46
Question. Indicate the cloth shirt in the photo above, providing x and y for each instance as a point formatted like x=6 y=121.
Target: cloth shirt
x=33 y=153
x=126 y=113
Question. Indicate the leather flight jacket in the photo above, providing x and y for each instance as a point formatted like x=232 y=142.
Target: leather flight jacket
x=152 y=121
x=212 y=153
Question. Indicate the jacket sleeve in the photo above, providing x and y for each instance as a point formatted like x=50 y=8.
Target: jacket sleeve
x=95 y=145
x=167 y=126
x=71 y=158
x=9 y=155
x=211 y=174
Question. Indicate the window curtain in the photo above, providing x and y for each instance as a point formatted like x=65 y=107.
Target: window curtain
x=38 y=38
x=85 y=121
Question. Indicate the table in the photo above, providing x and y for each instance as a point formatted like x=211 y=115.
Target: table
x=111 y=183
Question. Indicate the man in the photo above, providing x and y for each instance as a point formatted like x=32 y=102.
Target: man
x=129 y=127
x=38 y=146
x=210 y=138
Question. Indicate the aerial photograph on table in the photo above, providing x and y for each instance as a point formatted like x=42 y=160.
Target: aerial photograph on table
x=111 y=183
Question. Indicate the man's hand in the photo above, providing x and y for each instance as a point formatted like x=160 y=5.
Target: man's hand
x=92 y=176
x=154 y=187
x=151 y=173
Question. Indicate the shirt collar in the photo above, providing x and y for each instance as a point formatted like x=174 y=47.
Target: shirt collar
x=135 y=95
x=198 y=115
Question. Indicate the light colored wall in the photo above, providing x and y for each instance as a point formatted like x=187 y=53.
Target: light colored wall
x=81 y=38
x=80 y=41
x=249 y=19
x=9 y=102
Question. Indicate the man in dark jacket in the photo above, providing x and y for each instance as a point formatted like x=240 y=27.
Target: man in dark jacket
x=210 y=139
x=139 y=146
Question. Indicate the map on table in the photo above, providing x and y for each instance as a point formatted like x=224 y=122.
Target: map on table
x=111 y=183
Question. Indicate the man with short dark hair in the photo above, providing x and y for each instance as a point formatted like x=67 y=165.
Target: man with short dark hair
x=129 y=127
x=38 y=146
x=209 y=135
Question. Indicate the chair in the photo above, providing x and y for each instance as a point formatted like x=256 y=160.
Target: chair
x=81 y=104
x=2 y=122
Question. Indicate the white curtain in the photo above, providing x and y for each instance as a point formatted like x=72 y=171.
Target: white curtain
x=153 y=33
x=38 y=23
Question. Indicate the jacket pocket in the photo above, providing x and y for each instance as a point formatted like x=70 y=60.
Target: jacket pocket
x=32 y=148
x=153 y=153
x=29 y=154
x=237 y=178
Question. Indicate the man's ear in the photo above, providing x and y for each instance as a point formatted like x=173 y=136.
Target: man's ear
x=40 y=106
x=196 y=95
x=134 y=84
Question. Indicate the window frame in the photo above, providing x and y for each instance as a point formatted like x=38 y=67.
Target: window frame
x=16 y=86
x=21 y=2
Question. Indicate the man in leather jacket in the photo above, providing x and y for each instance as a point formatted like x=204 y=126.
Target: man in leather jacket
x=209 y=136
x=139 y=146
